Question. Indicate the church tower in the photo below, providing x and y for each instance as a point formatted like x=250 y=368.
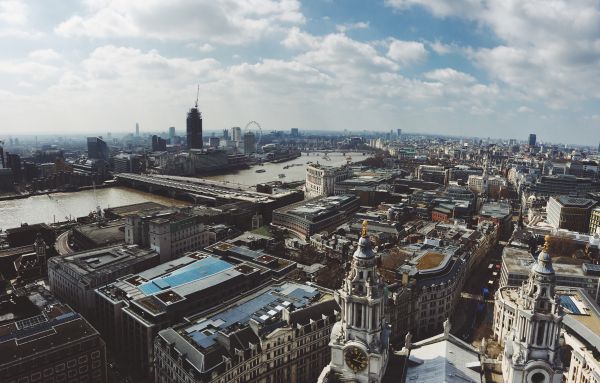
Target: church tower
x=360 y=339
x=531 y=351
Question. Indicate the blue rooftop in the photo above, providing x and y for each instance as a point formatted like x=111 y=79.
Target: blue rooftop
x=262 y=308
x=197 y=270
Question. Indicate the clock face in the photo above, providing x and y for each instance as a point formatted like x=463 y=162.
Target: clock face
x=355 y=358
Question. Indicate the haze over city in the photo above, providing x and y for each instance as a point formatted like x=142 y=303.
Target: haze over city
x=481 y=68
x=300 y=191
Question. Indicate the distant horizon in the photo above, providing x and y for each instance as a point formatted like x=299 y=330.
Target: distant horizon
x=454 y=67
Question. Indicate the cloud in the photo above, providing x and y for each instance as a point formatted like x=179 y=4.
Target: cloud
x=549 y=50
x=351 y=26
x=13 y=12
x=216 y=21
x=406 y=52
x=449 y=75
x=45 y=55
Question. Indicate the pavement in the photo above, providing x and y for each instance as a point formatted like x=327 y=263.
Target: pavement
x=62 y=244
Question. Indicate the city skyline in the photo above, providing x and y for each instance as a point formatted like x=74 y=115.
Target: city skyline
x=463 y=68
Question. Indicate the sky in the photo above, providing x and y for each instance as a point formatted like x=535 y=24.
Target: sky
x=487 y=68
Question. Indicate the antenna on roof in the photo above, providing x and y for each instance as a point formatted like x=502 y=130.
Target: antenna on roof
x=197 y=94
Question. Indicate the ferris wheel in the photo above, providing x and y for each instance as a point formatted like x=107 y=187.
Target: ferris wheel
x=254 y=127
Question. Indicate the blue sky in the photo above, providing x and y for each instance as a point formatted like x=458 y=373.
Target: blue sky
x=489 y=68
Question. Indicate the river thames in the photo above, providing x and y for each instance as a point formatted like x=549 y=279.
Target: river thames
x=294 y=173
x=62 y=206
x=59 y=206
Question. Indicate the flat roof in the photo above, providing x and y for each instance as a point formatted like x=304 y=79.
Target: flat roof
x=263 y=307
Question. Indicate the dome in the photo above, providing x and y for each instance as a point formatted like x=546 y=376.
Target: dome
x=364 y=250
x=544 y=263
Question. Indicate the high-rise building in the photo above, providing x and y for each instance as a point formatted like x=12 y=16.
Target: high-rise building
x=532 y=139
x=137 y=129
x=236 y=134
x=225 y=134
x=172 y=134
x=249 y=143
x=97 y=149
x=158 y=144
x=399 y=132
x=13 y=161
x=294 y=132
x=194 y=128
x=214 y=142
x=1 y=155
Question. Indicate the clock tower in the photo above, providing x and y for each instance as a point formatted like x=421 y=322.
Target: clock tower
x=360 y=339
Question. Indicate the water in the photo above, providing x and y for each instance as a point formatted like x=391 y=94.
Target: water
x=296 y=173
x=47 y=208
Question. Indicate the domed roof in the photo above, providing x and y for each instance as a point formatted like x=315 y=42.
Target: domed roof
x=364 y=251
x=544 y=261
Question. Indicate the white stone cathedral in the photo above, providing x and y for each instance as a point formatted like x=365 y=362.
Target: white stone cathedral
x=360 y=339
x=528 y=321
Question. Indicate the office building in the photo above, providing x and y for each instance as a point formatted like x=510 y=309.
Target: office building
x=172 y=135
x=249 y=143
x=159 y=144
x=97 y=149
x=236 y=134
x=214 y=142
x=532 y=139
x=137 y=129
x=13 y=162
x=74 y=278
x=570 y=213
x=294 y=132
x=321 y=179
x=306 y=218
x=128 y=163
x=194 y=128
x=278 y=334
x=43 y=340
x=595 y=221
x=174 y=235
x=561 y=184
x=399 y=133
x=137 y=306
x=2 y=155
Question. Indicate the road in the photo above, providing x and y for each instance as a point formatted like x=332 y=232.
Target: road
x=62 y=244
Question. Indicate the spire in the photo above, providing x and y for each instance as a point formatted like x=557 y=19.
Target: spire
x=365 y=227
x=544 y=261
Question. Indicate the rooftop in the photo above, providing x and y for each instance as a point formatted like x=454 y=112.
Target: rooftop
x=320 y=208
x=574 y=201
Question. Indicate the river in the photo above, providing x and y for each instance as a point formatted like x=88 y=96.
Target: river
x=58 y=206
x=295 y=173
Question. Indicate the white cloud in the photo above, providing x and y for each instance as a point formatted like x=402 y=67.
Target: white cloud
x=449 y=75
x=351 y=26
x=13 y=12
x=524 y=109
x=45 y=55
x=215 y=21
x=550 y=49
x=406 y=52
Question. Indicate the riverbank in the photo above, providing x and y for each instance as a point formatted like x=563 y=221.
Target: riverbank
x=53 y=191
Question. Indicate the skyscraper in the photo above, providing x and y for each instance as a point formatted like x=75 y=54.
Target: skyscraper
x=294 y=132
x=172 y=134
x=194 y=128
x=137 y=129
x=97 y=149
x=249 y=143
x=532 y=139
x=1 y=155
x=236 y=134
